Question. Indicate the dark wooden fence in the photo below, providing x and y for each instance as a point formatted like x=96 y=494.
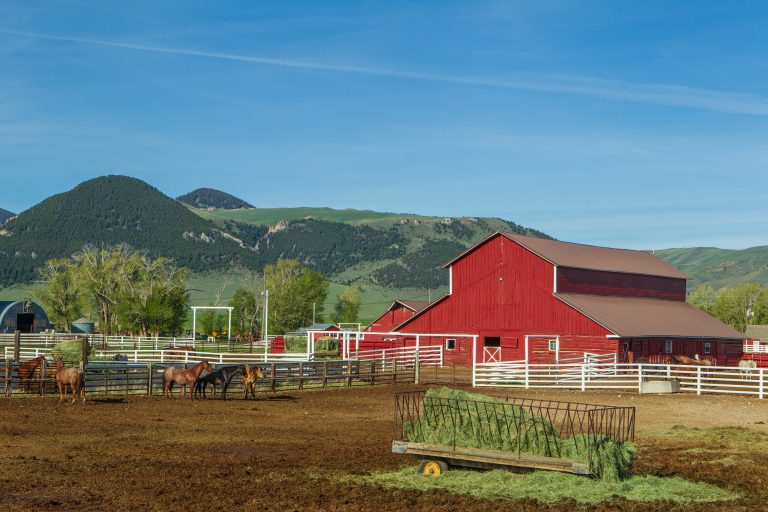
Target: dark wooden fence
x=125 y=378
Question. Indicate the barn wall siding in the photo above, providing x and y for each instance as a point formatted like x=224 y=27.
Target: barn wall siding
x=503 y=290
x=595 y=282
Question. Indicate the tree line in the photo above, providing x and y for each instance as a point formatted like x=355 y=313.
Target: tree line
x=132 y=293
x=737 y=306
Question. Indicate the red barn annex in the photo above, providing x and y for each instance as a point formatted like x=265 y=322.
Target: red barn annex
x=545 y=301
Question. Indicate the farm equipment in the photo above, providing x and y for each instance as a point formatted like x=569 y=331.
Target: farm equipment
x=444 y=428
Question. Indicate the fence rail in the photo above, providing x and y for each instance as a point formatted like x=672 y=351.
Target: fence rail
x=128 y=378
x=428 y=355
x=692 y=379
x=171 y=355
x=133 y=342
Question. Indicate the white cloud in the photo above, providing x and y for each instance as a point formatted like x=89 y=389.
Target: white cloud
x=655 y=94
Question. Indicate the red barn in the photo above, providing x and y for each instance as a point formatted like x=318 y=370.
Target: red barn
x=398 y=312
x=543 y=301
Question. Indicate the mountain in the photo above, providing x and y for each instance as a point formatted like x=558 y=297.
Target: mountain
x=719 y=267
x=111 y=210
x=4 y=215
x=389 y=250
x=212 y=198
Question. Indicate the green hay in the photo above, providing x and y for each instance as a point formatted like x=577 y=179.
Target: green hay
x=731 y=437
x=550 y=487
x=480 y=421
x=71 y=351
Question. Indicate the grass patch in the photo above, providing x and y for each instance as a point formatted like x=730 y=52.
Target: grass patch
x=551 y=487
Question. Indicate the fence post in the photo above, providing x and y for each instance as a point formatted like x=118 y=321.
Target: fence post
x=761 y=383
x=417 y=369
x=8 y=376
x=301 y=376
x=583 y=378
x=273 y=370
x=149 y=378
x=325 y=374
x=43 y=372
x=349 y=373
x=16 y=345
x=394 y=371
x=698 y=380
x=639 y=376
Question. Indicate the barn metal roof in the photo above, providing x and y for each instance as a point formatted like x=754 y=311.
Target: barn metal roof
x=591 y=257
x=413 y=305
x=639 y=317
x=757 y=331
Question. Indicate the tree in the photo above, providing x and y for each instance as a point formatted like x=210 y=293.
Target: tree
x=741 y=306
x=348 y=305
x=120 y=286
x=247 y=304
x=293 y=290
x=704 y=298
x=59 y=293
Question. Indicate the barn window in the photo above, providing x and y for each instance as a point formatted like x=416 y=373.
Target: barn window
x=553 y=345
x=450 y=344
x=668 y=347
x=707 y=347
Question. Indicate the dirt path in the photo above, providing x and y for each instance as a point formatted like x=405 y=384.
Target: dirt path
x=280 y=453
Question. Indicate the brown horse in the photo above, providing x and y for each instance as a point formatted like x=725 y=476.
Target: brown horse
x=27 y=371
x=183 y=377
x=69 y=376
x=249 y=380
x=692 y=361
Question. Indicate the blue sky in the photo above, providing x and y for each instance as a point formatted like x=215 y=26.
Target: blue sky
x=632 y=124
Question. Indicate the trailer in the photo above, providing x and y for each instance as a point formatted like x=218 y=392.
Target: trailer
x=504 y=432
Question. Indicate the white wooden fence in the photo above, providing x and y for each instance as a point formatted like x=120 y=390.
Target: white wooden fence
x=170 y=355
x=428 y=355
x=600 y=375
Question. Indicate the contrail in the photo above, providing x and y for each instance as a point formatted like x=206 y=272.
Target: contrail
x=655 y=94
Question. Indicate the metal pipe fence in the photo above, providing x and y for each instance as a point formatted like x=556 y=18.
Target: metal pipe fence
x=622 y=376
x=137 y=379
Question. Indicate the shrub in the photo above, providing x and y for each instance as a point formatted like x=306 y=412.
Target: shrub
x=71 y=351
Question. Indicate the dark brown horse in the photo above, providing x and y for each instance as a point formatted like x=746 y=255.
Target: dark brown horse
x=27 y=371
x=69 y=376
x=183 y=377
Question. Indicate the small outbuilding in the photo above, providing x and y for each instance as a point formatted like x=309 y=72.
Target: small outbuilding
x=24 y=315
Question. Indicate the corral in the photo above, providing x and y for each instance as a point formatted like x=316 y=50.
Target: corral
x=307 y=451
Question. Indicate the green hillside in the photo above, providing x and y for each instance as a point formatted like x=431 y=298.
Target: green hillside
x=111 y=210
x=212 y=198
x=4 y=214
x=271 y=216
x=719 y=267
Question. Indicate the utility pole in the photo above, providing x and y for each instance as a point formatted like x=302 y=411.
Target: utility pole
x=313 y=312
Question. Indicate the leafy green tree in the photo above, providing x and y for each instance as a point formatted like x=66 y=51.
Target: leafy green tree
x=245 y=321
x=348 y=305
x=704 y=298
x=740 y=306
x=293 y=290
x=60 y=293
x=121 y=286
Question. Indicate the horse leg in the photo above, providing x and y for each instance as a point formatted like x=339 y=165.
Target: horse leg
x=61 y=396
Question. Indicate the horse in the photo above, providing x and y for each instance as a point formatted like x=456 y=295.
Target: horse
x=221 y=376
x=27 y=371
x=183 y=377
x=746 y=366
x=249 y=380
x=69 y=376
x=691 y=361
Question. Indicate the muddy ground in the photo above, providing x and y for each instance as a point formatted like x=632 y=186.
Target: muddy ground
x=282 y=452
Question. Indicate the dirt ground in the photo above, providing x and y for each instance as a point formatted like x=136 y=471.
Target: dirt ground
x=282 y=452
